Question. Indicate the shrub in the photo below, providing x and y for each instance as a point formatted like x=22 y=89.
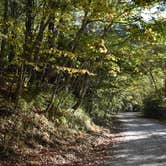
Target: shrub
x=154 y=106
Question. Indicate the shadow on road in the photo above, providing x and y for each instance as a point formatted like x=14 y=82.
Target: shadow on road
x=142 y=143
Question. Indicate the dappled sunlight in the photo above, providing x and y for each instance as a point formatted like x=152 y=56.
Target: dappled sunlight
x=68 y=67
x=143 y=142
x=133 y=136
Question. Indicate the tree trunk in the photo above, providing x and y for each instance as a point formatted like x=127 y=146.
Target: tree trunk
x=3 y=42
x=153 y=80
x=82 y=92
x=80 y=32
x=27 y=49
x=5 y=29
x=29 y=27
x=19 y=88
x=89 y=101
x=165 y=87
x=50 y=105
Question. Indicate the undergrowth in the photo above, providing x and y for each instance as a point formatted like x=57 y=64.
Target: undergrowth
x=155 y=106
x=29 y=126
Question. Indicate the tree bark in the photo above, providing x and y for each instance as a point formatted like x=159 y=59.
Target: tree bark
x=50 y=105
x=27 y=50
x=19 y=88
x=153 y=80
x=82 y=92
x=3 y=42
x=80 y=31
x=5 y=29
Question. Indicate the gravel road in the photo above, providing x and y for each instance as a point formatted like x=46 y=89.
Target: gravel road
x=142 y=143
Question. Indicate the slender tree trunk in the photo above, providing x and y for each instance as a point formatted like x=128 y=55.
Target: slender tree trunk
x=82 y=92
x=51 y=42
x=164 y=70
x=20 y=84
x=3 y=42
x=73 y=48
x=153 y=80
x=50 y=105
x=5 y=29
x=27 y=50
x=165 y=87
x=80 y=32
x=89 y=101
x=29 y=27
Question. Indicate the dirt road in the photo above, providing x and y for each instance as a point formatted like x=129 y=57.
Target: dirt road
x=142 y=142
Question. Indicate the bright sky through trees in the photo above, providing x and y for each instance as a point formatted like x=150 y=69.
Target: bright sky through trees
x=153 y=13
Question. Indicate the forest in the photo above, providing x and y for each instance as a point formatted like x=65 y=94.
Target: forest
x=67 y=66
